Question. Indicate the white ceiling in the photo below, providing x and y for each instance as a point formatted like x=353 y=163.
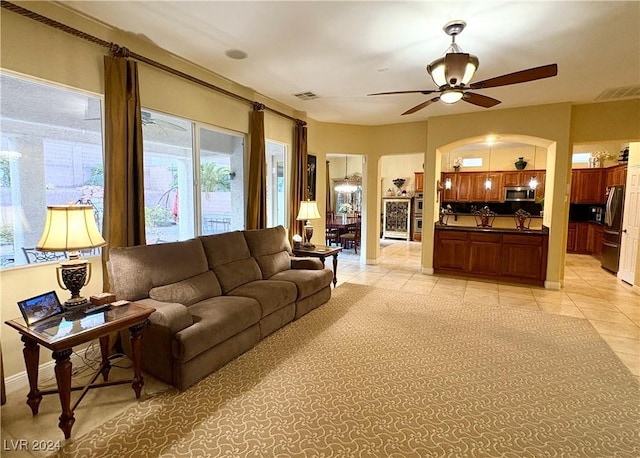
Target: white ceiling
x=342 y=51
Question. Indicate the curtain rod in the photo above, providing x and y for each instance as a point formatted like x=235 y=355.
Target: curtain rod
x=121 y=51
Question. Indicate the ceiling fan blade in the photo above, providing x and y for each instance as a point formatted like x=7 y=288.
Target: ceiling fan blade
x=423 y=91
x=421 y=106
x=455 y=65
x=480 y=100
x=532 y=74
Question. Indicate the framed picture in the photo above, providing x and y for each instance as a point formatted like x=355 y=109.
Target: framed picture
x=311 y=177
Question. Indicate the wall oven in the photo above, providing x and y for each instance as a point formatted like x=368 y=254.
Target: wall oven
x=519 y=194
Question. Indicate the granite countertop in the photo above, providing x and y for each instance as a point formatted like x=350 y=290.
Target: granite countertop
x=508 y=215
x=544 y=230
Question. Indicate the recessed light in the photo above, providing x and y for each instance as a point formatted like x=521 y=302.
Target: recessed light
x=236 y=54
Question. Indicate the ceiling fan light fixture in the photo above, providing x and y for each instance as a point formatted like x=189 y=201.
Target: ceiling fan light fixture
x=470 y=69
x=451 y=96
x=436 y=71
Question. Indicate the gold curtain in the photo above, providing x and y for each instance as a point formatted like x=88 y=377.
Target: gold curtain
x=298 y=176
x=123 y=223
x=328 y=190
x=257 y=193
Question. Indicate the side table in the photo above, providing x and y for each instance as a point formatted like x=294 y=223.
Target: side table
x=322 y=252
x=64 y=333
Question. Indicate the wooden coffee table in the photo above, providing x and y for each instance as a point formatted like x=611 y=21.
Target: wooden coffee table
x=61 y=336
x=322 y=252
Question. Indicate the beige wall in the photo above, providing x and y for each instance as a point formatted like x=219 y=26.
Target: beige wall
x=39 y=51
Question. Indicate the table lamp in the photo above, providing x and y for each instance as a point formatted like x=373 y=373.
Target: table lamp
x=308 y=211
x=71 y=228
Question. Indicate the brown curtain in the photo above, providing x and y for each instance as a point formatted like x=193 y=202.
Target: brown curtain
x=257 y=197
x=298 y=176
x=123 y=223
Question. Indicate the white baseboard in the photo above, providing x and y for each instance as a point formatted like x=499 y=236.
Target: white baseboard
x=555 y=285
x=427 y=270
x=371 y=262
x=20 y=381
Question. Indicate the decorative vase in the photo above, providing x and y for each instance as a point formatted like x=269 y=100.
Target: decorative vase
x=520 y=163
x=456 y=168
x=344 y=218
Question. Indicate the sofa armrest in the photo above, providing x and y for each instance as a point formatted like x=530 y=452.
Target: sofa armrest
x=306 y=263
x=170 y=315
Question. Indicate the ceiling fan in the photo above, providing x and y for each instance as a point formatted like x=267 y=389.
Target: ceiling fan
x=453 y=72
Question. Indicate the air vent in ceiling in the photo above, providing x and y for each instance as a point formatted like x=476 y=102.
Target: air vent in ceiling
x=306 y=95
x=619 y=93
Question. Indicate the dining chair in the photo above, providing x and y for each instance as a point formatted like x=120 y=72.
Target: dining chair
x=352 y=236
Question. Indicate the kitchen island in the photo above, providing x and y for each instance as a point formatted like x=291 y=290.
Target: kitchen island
x=518 y=256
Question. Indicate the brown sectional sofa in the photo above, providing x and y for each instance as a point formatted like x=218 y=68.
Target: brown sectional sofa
x=215 y=296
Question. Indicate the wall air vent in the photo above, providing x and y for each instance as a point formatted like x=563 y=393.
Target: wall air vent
x=619 y=93
x=306 y=95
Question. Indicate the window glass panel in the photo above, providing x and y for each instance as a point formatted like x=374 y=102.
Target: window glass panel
x=221 y=181
x=168 y=177
x=472 y=162
x=580 y=158
x=276 y=167
x=50 y=154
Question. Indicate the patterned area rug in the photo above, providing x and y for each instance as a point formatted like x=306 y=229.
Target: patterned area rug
x=379 y=373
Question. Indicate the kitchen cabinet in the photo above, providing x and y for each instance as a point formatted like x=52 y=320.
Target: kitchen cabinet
x=471 y=187
x=588 y=186
x=463 y=193
x=523 y=256
x=616 y=175
x=512 y=178
x=496 y=193
x=595 y=233
x=450 y=195
x=491 y=253
x=541 y=176
x=571 y=238
x=484 y=253
x=584 y=238
x=419 y=181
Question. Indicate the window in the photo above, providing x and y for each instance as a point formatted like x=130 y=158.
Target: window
x=50 y=154
x=175 y=209
x=472 y=162
x=581 y=158
x=276 y=190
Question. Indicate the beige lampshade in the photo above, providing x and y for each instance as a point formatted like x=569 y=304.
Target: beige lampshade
x=308 y=210
x=70 y=228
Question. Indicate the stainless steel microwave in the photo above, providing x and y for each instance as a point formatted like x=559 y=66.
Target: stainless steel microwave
x=519 y=194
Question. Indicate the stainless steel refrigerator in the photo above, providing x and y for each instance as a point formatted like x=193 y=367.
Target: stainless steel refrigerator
x=612 y=228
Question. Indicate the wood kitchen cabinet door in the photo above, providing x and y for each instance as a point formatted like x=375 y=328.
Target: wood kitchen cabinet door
x=451 y=250
x=541 y=176
x=477 y=191
x=449 y=195
x=524 y=256
x=588 y=186
x=464 y=187
x=595 y=233
x=571 y=238
x=419 y=178
x=484 y=253
x=616 y=175
x=496 y=193
x=512 y=178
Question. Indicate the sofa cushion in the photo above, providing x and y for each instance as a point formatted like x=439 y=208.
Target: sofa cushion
x=229 y=257
x=170 y=315
x=308 y=282
x=271 y=249
x=134 y=271
x=214 y=321
x=189 y=291
x=271 y=294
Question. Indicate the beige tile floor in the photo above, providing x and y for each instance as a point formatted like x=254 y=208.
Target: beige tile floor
x=590 y=293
